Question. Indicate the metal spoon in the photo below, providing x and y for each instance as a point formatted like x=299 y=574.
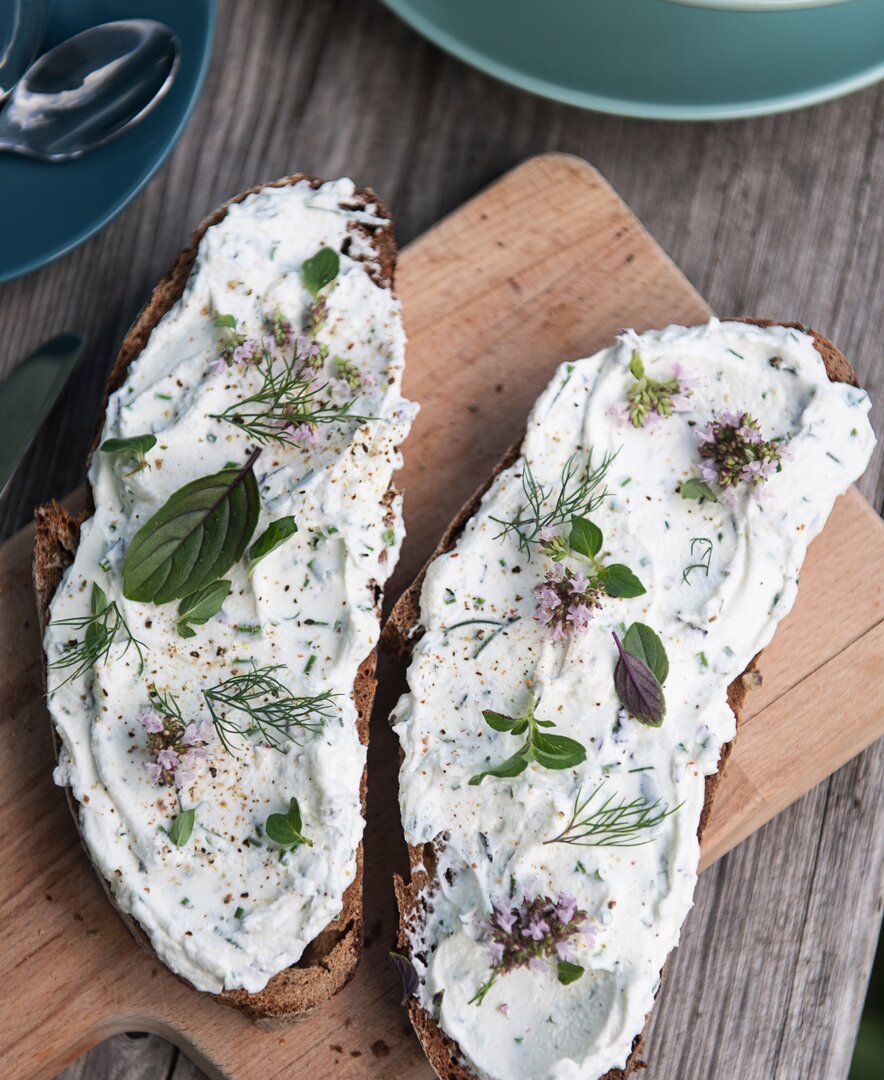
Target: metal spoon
x=21 y=30
x=89 y=89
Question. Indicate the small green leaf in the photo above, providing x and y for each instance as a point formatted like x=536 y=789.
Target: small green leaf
x=636 y=366
x=201 y=606
x=518 y=763
x=276 y=533
x=195 y=537
x=182 y=827
x=285 y=829
x=136 y=445
x=697 y=489
x=226 y=322
x=320 y=270
x=620 y=581
x=568 y=972
x=641 y=641
x=520 y=726
x=585 y=538
x=498 y=721
x=557 y=751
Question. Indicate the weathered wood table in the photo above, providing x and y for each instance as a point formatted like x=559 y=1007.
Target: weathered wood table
x=778 y=217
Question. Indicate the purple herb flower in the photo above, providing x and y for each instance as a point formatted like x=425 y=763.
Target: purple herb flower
x=565 y=602
x=734 y=451
x=649 y=401
x=175 y=746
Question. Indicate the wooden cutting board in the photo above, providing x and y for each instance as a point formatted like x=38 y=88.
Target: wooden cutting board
x=546 y=264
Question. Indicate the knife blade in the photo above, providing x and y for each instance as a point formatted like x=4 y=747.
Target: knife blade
x=27 y=395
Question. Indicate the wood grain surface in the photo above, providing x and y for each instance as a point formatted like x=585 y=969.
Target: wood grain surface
x=777 y=217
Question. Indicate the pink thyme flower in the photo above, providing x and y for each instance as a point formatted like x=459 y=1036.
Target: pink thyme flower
x=152 y=721
x=305 y=435
x=565 y=951
x=175 y=746
x=167 y=759
x=504 y=1009
x=339 y=391
x=565 y=602
x=734 y=451
x=566 y=907
x=620 y=411
x=217 y=366
x=243 y=353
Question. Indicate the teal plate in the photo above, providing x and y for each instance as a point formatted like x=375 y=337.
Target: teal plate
x=46 y=209
x=656 y=59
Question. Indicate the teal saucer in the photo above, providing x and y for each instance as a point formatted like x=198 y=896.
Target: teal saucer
x=49 y=208
x=659 y=60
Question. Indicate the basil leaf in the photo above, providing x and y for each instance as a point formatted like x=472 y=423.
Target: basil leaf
x=641 y=641
x=201 y=606
x=620 y=581
x=638 y=689
x=568 y=972
x=498 y=721
x=557 y=751
x=585 y=538
x=227 y=322
x=182 y=827
x=518 y=763
x=285 y=829
x=698 y=489
x=636 y=366
x=320 y=270
x=276 y=533
x=407 y=974
x=194 y=538
x=136 y=445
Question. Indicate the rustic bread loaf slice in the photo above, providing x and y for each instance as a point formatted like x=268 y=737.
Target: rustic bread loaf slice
x=403 y=630
x=330 y=960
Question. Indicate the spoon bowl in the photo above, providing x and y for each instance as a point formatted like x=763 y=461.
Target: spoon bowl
x=22 y=23
x=89 y=89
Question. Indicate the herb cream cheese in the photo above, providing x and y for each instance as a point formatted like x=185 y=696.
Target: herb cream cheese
x=722 y=449
x=223 y=905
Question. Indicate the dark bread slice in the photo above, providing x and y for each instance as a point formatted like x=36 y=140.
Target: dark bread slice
x=402 y=629
x=330 y=960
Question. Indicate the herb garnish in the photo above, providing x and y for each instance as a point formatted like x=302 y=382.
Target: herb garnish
x=268 y=707
x=276 y=533
x=705 y=546
x=285 y=829
x=698 y=489
x=182 y=827
x=102 y=625
x=136 y=446
x=407 y=974
x=549 y=751
x=201 y=606
x=195 y=537
x=640 y=673
x=612 y=824
x=320 y=270
x=653 y=399
x=574 y=498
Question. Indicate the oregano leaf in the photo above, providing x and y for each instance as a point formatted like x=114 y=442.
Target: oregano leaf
x=568 y=972
x=320 y=270
x=697 y=489
x=285 y=829
x=195 y=537
x=498 y=721
x=586 y=538
x=136 y=446
x=276 y=533
x=514 y=765
x=201 y=606
x=557 y=751
x=182 y=827
x=619 y=581
x=638 y=689
x=641 y=641
x=225 y=322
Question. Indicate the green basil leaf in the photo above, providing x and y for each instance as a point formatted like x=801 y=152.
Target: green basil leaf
x=585 y=538
x=276 y=533
x=698 y=489
x=285 y=829
x=620 y=581
x=568 y=972
x=557 y=751
x=136 y=445
x=498 y=721
x=182 y=827
x=511 y=767
x=636 y=366
x=201 y=606
x=320 y=270
x=227 y=322
x=641 y=641
x=194 y=538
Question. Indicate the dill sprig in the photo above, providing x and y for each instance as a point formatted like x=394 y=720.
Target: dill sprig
x=102 y=625
x=267 y=707
x=286 y=399
x=577 y=494
x=705 y=557
x=612 y=824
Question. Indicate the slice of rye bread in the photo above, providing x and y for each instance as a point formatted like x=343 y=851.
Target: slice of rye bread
x=330 y=960
x=402 y=630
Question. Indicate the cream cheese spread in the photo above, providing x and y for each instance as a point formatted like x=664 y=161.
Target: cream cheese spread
x=486 y=643
x=228 y=909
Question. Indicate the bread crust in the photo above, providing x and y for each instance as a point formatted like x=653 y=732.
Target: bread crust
x=330 y=960
x=399 y=634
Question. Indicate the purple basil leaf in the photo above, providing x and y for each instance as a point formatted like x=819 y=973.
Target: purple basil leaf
x=407 y=974
x=638 y=689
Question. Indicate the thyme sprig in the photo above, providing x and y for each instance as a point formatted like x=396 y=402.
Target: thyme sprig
x=256 y=702
x=612 y=824
x=577 y=494
x=704 y=545
x=102 y=625
x=286 y=399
